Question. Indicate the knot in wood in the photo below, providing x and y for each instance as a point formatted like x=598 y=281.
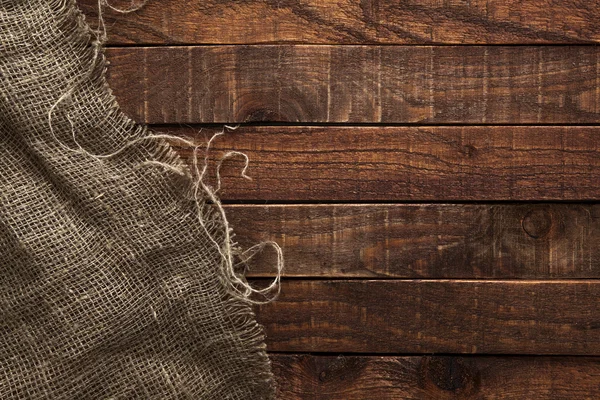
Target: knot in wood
x=468 y=150
x=323 y=376
x=341 y=369
x=451 y=374
x=537 y=223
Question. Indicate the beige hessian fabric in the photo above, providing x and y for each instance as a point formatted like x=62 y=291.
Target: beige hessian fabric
x=110 y=288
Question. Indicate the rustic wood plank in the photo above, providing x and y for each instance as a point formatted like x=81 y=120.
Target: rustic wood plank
x=352 y=21
x=409 y=163
x=435 y=377
x=421 y=316
x=491 y=241
x=358 y=84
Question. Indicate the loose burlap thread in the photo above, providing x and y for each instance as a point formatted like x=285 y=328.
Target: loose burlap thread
x=116 y=272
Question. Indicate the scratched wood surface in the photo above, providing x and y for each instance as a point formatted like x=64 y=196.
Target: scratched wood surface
x=429 y=168
x=464 y=241
x=358 y=84
x=435 y=377
x=408 y=163
x=435 y=316
x=352 y=21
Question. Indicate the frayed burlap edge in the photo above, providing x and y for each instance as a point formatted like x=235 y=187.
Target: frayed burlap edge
x=190 y=181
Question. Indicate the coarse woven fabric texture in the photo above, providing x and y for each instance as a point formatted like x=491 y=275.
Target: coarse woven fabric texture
x=110 y=288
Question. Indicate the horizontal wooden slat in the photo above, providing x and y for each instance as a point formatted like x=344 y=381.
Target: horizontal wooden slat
x=409 y=163
x=535 y=241
x=352 y=21
x=302 y=377
x=358 y=84
x=420 y=316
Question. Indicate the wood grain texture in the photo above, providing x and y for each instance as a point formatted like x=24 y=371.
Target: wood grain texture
x=307 y=377
x=466 y=269
x=408 y=163
x=487 y=241
x=352 y=21
x=425 y=316
x=359 y=84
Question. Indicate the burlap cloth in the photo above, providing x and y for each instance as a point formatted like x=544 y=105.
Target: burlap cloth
x=113 y=283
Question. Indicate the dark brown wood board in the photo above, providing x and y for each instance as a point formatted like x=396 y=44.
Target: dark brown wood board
x=435 y=316
x=430 y=169
x=363 y=164
x=461 y=241
x=358 y=84
x=351 y=21
x=435 y=377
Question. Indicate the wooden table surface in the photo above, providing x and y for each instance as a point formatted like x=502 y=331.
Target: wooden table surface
x=430 y=168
